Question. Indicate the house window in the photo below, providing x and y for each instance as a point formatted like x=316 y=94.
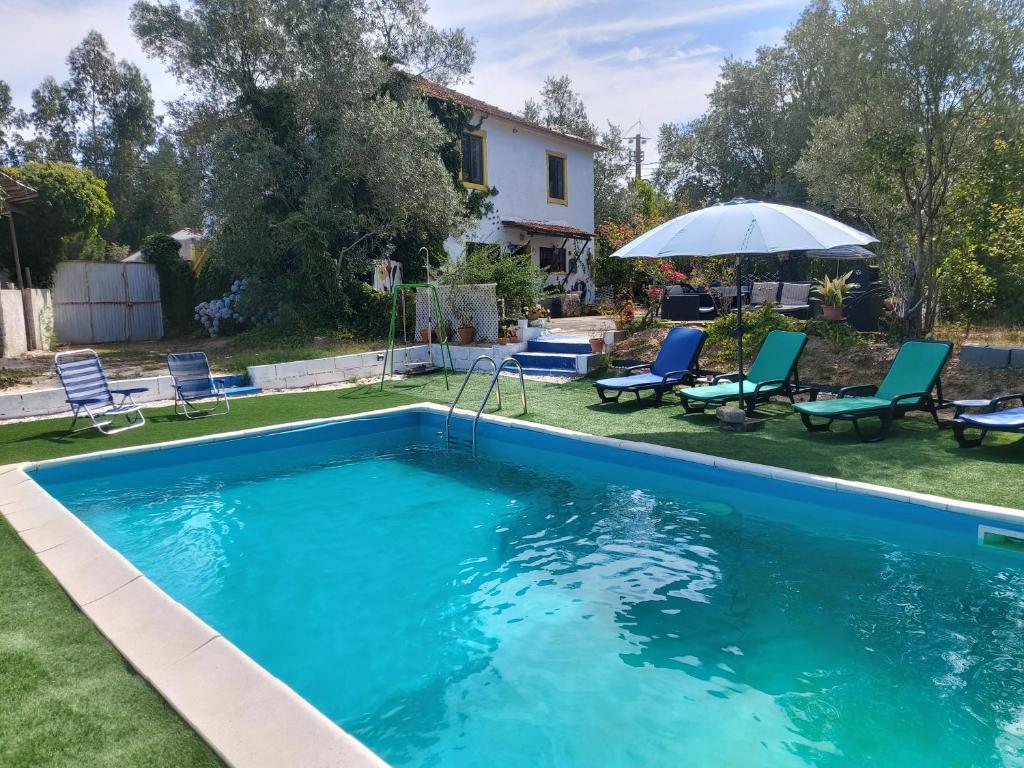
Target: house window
x=474 y=159
x=558 y=191
x=552 y=259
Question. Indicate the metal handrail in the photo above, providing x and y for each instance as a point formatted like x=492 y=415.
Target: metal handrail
x=494 y=381
x=465 y=381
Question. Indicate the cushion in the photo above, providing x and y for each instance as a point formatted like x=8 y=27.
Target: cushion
x=1011 y=418
x=841 y=405
x=638 y=381
x=727 y=390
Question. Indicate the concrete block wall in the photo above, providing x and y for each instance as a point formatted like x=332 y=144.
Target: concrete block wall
x=13 y=340
x=49 y=402
x=38 y=307
x=332 y=370
x=975 y=356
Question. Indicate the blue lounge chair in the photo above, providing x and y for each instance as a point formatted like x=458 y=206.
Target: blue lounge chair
x=194 y=381
x=992 y=420
x=87 y=391
x=676 y=364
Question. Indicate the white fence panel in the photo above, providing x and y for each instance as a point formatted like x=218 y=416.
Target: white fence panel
x=98 y=302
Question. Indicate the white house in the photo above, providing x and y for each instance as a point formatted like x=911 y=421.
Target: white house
x=190 y=248
x=545 y=184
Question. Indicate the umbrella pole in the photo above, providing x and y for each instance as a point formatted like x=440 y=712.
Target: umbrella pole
x=739 y=324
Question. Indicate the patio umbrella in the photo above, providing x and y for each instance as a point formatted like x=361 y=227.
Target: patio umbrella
x=743 y=228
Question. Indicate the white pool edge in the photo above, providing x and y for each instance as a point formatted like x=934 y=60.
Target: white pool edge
x=247 y=716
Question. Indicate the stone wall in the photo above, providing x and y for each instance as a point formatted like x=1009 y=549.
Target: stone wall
x=975 y=356
x=13 y=340
x=38 y=306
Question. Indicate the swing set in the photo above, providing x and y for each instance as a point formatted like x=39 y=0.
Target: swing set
x=435 y=327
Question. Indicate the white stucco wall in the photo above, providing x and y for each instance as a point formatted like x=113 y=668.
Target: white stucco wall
x=517 y=168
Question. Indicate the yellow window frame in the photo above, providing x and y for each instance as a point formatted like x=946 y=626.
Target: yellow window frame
x=483 y=152
x=565 y=177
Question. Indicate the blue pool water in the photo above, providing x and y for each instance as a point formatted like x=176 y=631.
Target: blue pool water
x=560 y=605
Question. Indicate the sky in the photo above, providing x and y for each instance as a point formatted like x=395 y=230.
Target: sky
x=646 y=61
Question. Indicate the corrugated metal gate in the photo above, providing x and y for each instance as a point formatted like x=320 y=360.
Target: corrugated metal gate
x=96 y=302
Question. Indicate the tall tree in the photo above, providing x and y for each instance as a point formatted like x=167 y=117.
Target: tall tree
x=90 y=88
x=317 y=153
x=53 y=122
x=926 y=80
x=11 y=120
x=561 y=108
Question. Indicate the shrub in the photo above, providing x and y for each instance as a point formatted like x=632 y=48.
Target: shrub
x=967 y=290
x=370 y=311
x=839 y=335
x=177 y=283
x=757 y=324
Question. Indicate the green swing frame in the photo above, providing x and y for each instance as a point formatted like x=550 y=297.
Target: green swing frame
x=436 y=322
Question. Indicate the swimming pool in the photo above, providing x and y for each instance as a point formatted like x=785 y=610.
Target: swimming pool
x=560 y=602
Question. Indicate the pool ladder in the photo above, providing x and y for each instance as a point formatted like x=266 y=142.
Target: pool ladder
x=495 y=384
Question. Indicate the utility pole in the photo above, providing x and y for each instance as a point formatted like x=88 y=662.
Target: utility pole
x=636 y=155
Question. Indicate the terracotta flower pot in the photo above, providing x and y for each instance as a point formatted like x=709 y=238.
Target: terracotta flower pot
x=466 y=335
x=834 y=314
x=425 y=335
x=597 y=345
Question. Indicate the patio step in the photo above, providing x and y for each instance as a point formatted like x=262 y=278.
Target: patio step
x=561 y=361
x=560 y=372
x=575 y=345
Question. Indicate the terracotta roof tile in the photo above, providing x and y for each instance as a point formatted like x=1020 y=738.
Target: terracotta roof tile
x=545 y=228
x=437 y=91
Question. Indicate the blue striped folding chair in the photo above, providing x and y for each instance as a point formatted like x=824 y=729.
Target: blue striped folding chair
x=88 y=393
x=193 y=381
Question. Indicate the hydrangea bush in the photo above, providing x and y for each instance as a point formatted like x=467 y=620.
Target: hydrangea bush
x=223 y=314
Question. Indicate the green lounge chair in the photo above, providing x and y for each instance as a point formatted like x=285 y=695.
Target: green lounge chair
x=907 y=386
x=774 y=372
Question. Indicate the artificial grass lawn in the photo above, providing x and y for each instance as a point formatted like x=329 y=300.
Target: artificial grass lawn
x=68 y=698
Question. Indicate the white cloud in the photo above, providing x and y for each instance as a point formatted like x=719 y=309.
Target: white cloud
x=40 y=35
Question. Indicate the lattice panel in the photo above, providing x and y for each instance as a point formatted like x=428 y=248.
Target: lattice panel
x=478 y=302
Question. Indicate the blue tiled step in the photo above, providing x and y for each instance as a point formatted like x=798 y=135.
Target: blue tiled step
x=237 y=386
x=550 y=360
x=241 y=391
x=576 y=345
x=563 y=372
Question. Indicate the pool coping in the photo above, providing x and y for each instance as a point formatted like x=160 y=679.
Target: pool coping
x=247 y=716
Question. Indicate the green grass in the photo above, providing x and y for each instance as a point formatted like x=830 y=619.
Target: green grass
x=68 y=698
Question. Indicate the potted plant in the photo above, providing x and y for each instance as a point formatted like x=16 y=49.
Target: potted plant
x=508 y=332
x=833 y=291
x=597 y=345
x=465 y=331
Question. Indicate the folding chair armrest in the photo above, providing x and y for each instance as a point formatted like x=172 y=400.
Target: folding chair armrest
x=858 y=390
x=995 y=402
x=129 y=391
x=734 y=376
x=84 y=401
x=636 y=368
x=910 y=396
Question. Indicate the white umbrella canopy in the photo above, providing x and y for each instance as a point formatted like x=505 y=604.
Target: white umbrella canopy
x=743 y=228
x=747 y=228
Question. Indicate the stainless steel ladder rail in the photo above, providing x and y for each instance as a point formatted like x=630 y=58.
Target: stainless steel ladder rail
x=465 y=381
x=494 y=382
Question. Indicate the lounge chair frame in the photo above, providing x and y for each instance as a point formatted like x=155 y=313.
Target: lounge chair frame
x=960 y=427
x=185 y=400
x=896 y=409
x=789 y=387
x=99 y=406
x=669 y=380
